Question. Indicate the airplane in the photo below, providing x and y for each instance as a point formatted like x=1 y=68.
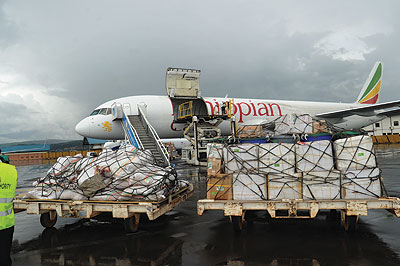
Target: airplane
x=160 y=112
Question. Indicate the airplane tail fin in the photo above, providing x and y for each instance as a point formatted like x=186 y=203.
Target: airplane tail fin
x=370 y=91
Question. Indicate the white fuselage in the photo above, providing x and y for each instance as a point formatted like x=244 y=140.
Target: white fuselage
x=159 y=112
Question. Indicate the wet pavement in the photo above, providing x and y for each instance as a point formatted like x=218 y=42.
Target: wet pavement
x=183 y=238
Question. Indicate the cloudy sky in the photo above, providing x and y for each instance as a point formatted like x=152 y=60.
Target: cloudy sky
x=61 y=59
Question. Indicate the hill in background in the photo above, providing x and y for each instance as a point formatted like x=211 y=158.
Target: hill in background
x=55 y=144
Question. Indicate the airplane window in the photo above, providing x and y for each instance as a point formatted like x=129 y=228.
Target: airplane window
x=103 y=111
x=95 y=112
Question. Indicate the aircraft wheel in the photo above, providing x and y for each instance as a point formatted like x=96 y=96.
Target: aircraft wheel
x=48 y=219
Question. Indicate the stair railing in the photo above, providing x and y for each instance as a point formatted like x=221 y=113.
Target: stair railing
x=150 y=130
x=131 y=135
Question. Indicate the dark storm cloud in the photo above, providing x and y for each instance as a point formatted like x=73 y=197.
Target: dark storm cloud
x=81 y=54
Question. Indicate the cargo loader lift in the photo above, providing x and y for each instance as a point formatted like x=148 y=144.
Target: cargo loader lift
x=190 y=110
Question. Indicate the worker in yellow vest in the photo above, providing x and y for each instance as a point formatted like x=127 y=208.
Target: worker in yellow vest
x=8 y=184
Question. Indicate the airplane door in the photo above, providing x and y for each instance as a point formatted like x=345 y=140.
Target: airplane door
x=143 y=106
x=182 y=82
x=127 y=108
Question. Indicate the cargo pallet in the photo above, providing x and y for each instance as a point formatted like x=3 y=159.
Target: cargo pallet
x=128 y=210
x=350 y=209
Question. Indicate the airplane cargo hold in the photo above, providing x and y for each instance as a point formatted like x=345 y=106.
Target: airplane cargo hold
x=298 y=180
x=125 y=182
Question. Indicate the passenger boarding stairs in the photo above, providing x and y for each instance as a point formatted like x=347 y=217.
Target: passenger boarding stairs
x=140 y=133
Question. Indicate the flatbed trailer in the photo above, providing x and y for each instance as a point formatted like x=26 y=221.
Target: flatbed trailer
x=350 y=210
x=129 y=211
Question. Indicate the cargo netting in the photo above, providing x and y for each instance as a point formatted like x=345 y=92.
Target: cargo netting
x=294 y=157
x=124 y=174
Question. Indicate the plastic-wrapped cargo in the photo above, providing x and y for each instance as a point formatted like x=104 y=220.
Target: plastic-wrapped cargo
x=282 y=186
x=362 y=188
x=361 y=184
x=277 y=158
x=294 y=124
x=241 y=158
x=123 y=174
x=249 y=187
x=314 y=156
x=322 y=185
x=364 y=173
x=354 y=153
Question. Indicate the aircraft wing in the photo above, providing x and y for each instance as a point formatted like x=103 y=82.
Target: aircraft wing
x=364 y=110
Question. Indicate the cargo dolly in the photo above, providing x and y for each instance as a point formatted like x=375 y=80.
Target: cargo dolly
x=350 y=209
x=129 y=211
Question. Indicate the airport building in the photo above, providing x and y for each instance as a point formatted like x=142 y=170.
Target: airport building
x=387 y=126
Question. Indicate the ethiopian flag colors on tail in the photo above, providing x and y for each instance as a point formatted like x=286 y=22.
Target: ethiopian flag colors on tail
x=370 y=91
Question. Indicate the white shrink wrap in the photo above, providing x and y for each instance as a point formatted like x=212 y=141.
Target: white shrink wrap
x=361 y=188
x=281 y=186
x=125 y=166
x=314 y=156
x=249 y=187
x=321 y=185
x=355 y=153
x=241 y=158
x=365 y=173
x=64 y=165
x=277 y=158
x=362 y=184
x=73 y=195
x=293 y=124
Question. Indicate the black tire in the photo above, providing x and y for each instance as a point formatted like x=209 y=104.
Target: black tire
x=350 y=223
x=131 y=224
x=237 y=223
x=45 y=220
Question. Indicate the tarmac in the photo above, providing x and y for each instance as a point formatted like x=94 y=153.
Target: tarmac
x=182 y=238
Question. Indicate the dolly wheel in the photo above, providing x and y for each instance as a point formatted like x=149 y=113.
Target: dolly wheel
x=237 y=223
x=47 y=221
x=132 y=224
x=350 y=223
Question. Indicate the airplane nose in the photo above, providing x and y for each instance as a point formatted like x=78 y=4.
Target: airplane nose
x=83 y=128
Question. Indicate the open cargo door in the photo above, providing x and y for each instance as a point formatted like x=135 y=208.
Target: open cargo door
x=182 y=82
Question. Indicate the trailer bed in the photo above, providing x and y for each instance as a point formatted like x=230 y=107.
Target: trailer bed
x=128 y=210
x=350 y=209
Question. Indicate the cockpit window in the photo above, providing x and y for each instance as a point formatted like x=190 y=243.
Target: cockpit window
x=95 y=112
x=102 y=111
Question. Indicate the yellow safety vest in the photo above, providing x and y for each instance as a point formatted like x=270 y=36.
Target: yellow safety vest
x=8 y=184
